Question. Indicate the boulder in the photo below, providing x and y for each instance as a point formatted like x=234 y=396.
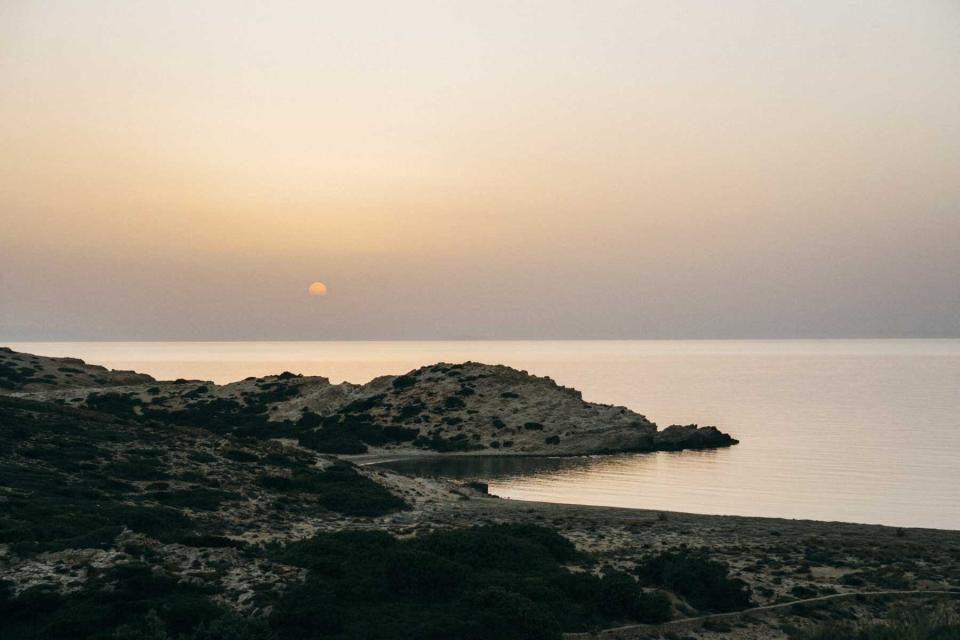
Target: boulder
x=691 y=436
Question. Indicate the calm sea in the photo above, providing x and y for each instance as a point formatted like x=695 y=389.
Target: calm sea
x=858 y=430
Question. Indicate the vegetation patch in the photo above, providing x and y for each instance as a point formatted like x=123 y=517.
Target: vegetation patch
x=404 y=382
x=453 y=403
x=349 y=433
x=127 y=602
x=196 y=498
x=503 y=581
x=338 y=488
x=436 y=442
x=113 y=402
x=703 y=582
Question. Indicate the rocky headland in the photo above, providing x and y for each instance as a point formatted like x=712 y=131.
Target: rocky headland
x=468 y=408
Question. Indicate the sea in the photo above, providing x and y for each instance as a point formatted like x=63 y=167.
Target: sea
x=840 y=430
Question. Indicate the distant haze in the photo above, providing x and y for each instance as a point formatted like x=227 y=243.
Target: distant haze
x=185 y=170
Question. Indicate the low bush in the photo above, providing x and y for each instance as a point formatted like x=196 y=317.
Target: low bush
x=704 y=583
x=339 y=488
x=112 y=402
x=196 y=498
x=620 y=597
x=458 y=442
x=453 y=403
x=500 y=581
x=404 y=382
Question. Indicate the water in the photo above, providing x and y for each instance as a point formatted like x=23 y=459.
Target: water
x=860 y=431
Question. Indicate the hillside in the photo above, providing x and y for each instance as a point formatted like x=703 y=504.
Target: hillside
x=27 y=372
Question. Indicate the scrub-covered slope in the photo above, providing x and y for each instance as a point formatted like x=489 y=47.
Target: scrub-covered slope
x=27 y=372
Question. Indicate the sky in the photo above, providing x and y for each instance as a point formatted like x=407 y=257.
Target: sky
x=482 y=170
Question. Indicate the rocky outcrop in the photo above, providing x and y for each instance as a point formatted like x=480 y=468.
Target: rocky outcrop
x=465 y=408
x=472 y=408
x=677 y=437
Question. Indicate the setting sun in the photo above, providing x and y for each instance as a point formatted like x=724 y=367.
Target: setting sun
x=317 y=289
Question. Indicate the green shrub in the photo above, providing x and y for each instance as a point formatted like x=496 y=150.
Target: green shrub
x=619 y=595
x=339 y=488
x=495 y=612
x=113 y=402
x=363 y=404
x=196 y=498
x=501 y=581
x=453 y=403
x=702 y=582
x=458 y=442
x=409 y=411
x=404 y=382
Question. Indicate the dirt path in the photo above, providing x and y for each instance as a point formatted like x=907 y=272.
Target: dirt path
x=616 y=632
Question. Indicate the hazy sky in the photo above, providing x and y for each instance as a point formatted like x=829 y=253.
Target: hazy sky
x=746 y=168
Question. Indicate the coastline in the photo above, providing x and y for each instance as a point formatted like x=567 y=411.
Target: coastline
x=237 y=497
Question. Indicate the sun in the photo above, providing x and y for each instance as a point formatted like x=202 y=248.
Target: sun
x=317 y=289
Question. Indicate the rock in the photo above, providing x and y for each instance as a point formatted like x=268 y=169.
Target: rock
x=481 y=487
x=677 y=437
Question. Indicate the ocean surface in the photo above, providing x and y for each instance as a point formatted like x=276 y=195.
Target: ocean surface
x=850 y=430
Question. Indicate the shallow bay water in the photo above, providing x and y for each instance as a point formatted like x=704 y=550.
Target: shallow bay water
x=852 y=430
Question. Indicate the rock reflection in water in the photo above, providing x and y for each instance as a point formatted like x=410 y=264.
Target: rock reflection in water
x=493 y=467
x=520 y=469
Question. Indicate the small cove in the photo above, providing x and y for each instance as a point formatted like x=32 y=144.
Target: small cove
x=847 y=430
